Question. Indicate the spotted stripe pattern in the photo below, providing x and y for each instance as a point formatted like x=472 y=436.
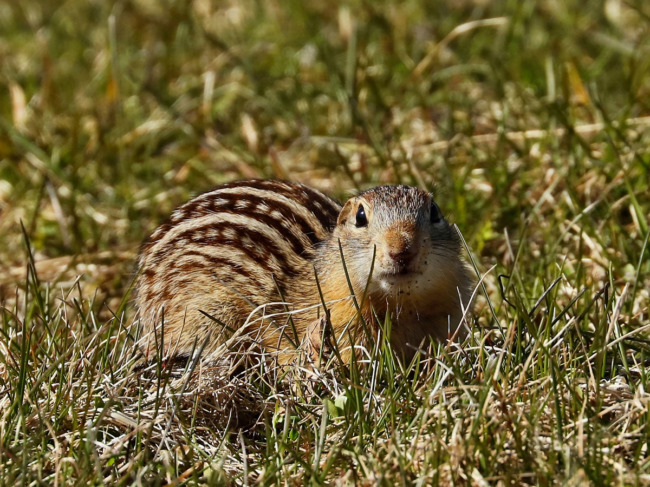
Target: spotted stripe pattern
x=239 y=243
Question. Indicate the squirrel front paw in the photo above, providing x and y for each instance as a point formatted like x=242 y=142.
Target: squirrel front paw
x=317 y=343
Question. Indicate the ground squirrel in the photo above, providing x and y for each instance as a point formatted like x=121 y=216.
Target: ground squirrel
x=255 y=253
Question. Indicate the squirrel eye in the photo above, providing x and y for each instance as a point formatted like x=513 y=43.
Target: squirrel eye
x=436 y=214
x=362 y=220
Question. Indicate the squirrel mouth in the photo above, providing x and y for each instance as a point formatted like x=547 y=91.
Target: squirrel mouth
x=396 y=274
x=396 y=282
x=395 y=270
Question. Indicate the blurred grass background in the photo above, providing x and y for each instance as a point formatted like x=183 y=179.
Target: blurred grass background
x=115 y=112
x=529 y=119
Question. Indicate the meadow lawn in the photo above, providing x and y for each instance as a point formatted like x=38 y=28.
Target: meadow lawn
x=530 y=121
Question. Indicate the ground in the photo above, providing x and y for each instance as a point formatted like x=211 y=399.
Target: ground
x=529 y=120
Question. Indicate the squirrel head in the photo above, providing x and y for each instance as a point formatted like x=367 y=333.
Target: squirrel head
x=397 y=243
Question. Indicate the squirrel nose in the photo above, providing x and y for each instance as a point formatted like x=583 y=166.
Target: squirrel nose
x=401 y=247
x=402 y=256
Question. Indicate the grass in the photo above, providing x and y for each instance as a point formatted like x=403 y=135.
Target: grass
x=530 y=120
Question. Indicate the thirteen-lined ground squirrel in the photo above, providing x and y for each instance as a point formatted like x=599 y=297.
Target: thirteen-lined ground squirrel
x=229 y=251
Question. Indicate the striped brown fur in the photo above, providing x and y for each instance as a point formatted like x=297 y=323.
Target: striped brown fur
x=252 y=243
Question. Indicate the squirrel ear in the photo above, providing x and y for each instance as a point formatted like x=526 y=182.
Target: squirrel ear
x=345 y=213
